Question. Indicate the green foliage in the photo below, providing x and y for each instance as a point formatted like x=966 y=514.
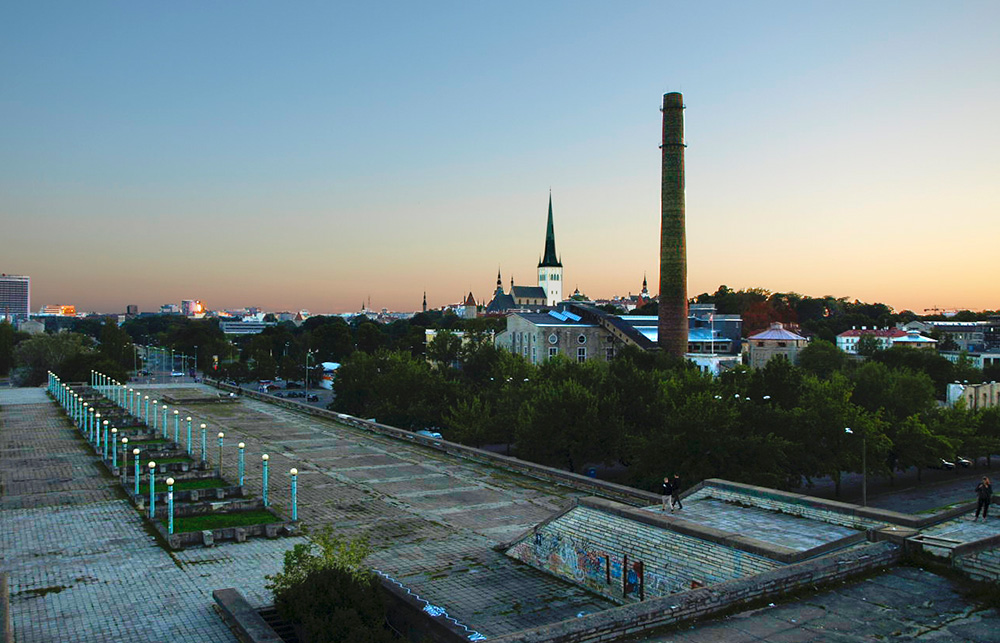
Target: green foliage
x=329 y=592
x=6 y=347
x=821 y=358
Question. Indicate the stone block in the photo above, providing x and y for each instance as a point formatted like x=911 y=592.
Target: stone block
x=240 y=534
x=195 y=496
x=207 y=538
x=272 y=531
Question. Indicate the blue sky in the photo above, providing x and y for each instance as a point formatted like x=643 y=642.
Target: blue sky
x=311 y=155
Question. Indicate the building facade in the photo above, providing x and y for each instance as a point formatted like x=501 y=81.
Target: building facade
x=15 y=297
x=776 y=341
x=974 y=396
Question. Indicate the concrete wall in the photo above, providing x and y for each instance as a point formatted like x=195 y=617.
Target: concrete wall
x=979 y=559
x=591 y=546
x=635 y=619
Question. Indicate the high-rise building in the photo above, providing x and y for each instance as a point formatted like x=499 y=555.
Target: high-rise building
x=132 y=310
x=15 y=297
x=550 y=268
x=192 y=307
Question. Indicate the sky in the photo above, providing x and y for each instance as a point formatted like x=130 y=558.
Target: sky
x=318 y=155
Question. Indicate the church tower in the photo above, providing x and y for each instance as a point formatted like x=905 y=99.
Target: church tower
x=550 y=271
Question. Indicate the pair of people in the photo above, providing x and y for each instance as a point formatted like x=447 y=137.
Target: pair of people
x=672 y=489
x=984 y=492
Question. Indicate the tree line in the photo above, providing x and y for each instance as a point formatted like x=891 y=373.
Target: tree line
x=641 y=415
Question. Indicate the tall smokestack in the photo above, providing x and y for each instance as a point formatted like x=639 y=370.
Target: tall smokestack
x=673 y=318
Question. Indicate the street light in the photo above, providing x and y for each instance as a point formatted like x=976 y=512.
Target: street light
x=864 y=468
x=309 y=354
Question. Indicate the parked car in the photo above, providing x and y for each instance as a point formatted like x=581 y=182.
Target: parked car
x=291 y=384
x=312 y=397
x=177 y=374
x=430 y=434
x=965 y=463
x=941 y=463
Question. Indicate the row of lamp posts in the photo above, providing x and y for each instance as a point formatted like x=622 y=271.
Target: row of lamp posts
x=132 y=401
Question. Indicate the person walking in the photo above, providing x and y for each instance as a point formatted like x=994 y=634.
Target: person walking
x=675 y=493
x=667 y=491
x=984 y=491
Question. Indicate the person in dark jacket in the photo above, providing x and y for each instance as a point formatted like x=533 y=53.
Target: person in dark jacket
x=667 y=492
x=675 y=493
x=984 y=492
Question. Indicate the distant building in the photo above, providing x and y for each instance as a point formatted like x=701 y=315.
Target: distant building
x=329 y=374
x=31 y=326
x=249 y=325
x=170 y=309
x=469 y=310
x=550 y=268
x=913 y=339
x=520 y=298
x=131 y=310
x=60 y=310
x=192 y=308
x=975 y=396
x=969 y=336
x=582 y=332
x=773 y=342
x=847 y=341
x=15 y=297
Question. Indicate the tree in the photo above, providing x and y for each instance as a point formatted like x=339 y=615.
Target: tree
x=330 y=594
x=42 y=353
x=868 y=345
x=821 y=358
x=6 y=347
x=444 y=348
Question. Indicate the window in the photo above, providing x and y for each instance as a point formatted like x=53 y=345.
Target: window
x=581 y=354
x=534 y=354
x=541 y=277
x=610 y=353
x=553 y=351
x=553 y=338
x=760 y=344
x=782 y=344
x=581 y=339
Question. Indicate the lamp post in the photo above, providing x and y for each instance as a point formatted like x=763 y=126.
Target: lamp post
x=152 y=490
x=177 y=426
x=155 y=414
x=864 y=468
x=124 y=456
x=104 y=449
x=295 y=507
x=135 y=453
x=188 y=418
x=164 y=421
x=265 y=458
x=221 y=435
x=114 y=450
x=309 y=354
x=204 y=443
x=128 y=401
x=170 y=505
x=240 y=466
x=146 y=412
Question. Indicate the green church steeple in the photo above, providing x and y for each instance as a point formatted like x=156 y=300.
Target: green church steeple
x=549 y=259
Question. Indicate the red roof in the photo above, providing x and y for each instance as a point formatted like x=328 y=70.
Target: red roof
x=877 y=332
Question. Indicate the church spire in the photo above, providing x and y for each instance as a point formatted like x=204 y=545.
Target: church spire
x=549 y=259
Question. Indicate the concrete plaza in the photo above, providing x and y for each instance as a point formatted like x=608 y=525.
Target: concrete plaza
x=83 y=568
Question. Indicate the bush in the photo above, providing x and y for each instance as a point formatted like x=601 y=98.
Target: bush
x=330 y=595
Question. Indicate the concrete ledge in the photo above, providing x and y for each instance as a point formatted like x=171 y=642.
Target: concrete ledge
x=411 y=617
x=549 y=474
x=718 y=536
x=834 y=506
x=636 y=619
x=247 y=624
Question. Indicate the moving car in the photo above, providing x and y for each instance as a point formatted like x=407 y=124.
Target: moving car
x=965 y=463
x=941 y=463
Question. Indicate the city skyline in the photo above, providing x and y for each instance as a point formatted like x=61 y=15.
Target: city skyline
x=313 y=157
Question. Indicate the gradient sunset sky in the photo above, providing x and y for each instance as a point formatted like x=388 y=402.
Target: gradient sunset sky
x=313 y=155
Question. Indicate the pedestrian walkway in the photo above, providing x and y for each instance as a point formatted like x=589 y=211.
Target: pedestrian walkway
x=82 y=566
